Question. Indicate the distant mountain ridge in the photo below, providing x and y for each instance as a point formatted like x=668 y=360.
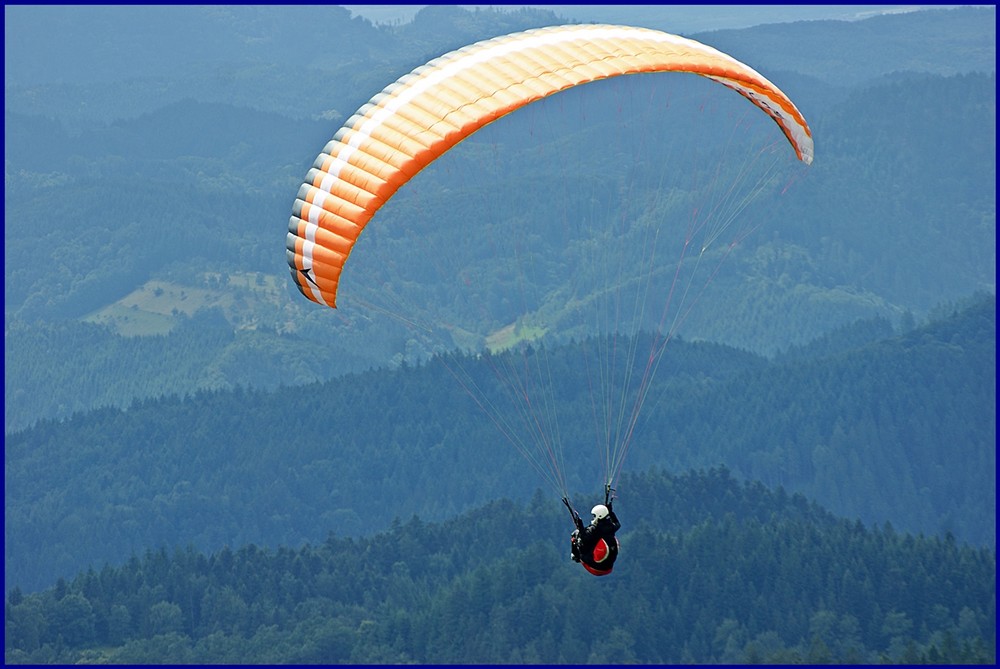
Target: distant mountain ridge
x=950 y=42
x=258 y=48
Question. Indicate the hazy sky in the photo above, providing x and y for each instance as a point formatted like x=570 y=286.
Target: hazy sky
x=677 y=18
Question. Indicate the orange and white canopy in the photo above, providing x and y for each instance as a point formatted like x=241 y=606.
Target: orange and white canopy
x=428 y=111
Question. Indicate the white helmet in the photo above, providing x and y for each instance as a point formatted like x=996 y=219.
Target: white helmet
x=599 y=512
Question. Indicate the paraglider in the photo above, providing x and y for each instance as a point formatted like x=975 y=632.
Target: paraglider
x=422 y=115
x=595 y=546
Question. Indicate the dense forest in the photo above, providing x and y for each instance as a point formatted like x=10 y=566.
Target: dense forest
x=871 y=424
x=712 y=570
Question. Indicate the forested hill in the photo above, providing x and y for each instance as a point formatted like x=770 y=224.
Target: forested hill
x=897 y=428
x=711 y=571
